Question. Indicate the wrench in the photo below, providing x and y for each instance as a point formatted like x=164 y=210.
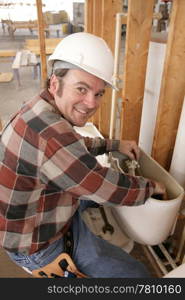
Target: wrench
x=107 y=226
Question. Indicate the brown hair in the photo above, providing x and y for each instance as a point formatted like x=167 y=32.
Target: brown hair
x=59 y=73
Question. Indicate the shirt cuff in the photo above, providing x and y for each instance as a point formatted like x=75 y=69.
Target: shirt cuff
x=112 y=145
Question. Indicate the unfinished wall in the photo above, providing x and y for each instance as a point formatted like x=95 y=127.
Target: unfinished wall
x=168 y=90
x=172 y=88
x=100 y=16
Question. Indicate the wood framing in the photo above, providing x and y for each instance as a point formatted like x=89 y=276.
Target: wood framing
x=97 y=17
x=41 y=26
x=139 y=23
x=100 y=18
x=89 y=16
x=93 y=25
x=97 y=30
x=172 y=88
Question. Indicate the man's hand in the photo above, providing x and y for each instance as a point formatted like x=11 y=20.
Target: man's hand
x=160 y=191
x=130 y=149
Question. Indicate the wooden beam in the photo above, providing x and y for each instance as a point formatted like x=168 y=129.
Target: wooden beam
x=89 y=16
x=97 y=17
x=7 y=52
x=41 y=28
x=93 y=12
x=155 y=16
x=139 y=23
x=97 y=30
x=172 y=88
x=109 y=10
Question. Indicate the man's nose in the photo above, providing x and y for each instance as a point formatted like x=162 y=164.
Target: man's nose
x=90 y=101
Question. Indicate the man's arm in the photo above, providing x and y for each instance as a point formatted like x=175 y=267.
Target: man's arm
x=73 y=169
x=130 y=148
x=97 y=146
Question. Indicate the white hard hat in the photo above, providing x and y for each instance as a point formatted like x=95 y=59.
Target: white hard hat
x=88 y=52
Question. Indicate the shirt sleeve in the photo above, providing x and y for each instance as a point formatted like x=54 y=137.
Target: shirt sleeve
x=97 y=146
x=70 y=167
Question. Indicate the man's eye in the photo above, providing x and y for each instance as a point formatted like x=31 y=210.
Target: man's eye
x=82 y=90
x=98 y=95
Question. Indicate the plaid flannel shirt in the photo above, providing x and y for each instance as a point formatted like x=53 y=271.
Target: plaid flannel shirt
x=46 y=168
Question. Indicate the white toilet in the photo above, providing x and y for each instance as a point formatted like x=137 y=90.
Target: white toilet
x=153 y=222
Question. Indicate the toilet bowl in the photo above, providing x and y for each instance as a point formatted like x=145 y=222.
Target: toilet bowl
x=153 y=222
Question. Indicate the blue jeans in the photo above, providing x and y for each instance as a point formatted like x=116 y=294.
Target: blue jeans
x=92 y=255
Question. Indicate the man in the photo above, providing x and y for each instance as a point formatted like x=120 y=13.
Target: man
x=49 y=173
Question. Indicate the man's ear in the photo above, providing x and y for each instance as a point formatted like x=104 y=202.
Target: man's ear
x=54 y=84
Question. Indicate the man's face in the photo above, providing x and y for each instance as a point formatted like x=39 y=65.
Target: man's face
x=79 y=97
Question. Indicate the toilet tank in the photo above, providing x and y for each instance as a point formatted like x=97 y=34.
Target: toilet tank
x=152 y=222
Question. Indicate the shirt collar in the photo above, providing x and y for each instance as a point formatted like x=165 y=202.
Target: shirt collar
x=45 y=94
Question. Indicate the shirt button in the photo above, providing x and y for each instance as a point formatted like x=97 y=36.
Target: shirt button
x=68 y=244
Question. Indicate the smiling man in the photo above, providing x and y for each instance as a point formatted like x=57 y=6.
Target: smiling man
x=79 y=97
x=49 y=174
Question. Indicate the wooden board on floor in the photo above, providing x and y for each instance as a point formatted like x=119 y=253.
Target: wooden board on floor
x=7 y=53
x=6 y=77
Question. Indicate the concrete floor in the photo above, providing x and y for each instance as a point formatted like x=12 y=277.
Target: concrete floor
x=11 y=99
x=13 y=96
